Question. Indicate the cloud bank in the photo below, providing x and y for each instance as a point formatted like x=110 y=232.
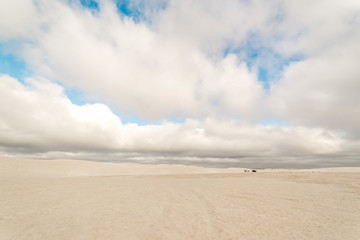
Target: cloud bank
x=210 y=81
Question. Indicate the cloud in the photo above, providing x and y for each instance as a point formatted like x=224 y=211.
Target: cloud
x=321 y=92
x=321 y=89
x=135 y=68
x=17 y=19
x=221 y=68
x=179 y=54
x=40 y=118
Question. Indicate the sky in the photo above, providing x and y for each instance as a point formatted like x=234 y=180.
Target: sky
x=246 y=83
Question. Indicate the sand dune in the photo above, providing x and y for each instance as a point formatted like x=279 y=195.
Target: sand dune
x=88 y=200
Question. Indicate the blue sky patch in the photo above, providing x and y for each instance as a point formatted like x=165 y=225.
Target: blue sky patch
x=258 y=57
x=140 y=11
x=93 y=5
x=273 y=122
x=11 y=65
x=125 y=7
x=76 y=97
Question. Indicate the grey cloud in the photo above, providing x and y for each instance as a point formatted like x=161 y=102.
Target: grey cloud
x=321 y=91
x=40 y=119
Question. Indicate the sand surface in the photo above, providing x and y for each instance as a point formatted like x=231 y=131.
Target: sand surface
x=88 y=200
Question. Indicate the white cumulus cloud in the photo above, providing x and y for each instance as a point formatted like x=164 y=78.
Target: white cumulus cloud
x=220 y=68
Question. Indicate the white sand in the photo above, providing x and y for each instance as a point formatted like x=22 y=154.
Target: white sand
x=88 y=200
